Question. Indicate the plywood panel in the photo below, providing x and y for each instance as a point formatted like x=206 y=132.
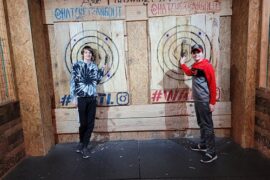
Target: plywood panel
x=136 y=13
x=103 y=27
x=156 y=67
x=169 y=47
x=183 y=46
x=75 y=29
x=60 y=65
x=226 y=8
x=175 y=36
x=138 y=62
x=118 y=74
x=107 y=40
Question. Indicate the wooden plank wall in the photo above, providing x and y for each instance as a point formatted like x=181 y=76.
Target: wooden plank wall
x=262 y=123
x=142 y=42
x=7 y=87
x=262 y=113
x=12 y=148
x=173 y=116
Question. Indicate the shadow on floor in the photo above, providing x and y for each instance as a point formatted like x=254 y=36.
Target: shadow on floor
x=148 y=160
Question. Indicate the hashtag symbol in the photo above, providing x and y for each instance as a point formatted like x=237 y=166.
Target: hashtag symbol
x=156 y=95
x=65 y=100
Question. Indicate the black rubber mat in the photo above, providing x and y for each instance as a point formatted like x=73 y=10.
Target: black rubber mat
x=148 y=160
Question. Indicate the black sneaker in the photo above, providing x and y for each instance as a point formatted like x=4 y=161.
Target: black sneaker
x=85 y=153
x=79 y=148
x=207 y=158
x=198 y=147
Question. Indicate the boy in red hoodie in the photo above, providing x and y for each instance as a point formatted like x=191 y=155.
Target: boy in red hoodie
x=204 y=95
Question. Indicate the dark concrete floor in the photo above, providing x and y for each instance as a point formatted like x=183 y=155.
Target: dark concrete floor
x=153 y=159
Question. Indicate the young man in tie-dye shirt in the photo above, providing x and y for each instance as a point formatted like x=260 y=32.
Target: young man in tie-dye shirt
x=85 y=76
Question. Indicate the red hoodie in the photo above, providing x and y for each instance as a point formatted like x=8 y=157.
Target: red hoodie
x=208 y=73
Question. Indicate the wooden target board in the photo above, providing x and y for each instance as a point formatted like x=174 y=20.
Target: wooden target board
x=176 y=35
x=107 y=40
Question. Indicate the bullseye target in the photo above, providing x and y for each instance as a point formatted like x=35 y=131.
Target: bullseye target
x=176 y=41
x=105 y=51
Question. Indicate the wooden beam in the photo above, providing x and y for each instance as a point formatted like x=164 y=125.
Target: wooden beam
x=141 y=135
x=245 y=25
x=29 y=55
x=143 y=118
x=143 y=124
x=144 y=111
x=263 y=64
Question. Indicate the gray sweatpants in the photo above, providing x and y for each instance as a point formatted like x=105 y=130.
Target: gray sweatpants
x=205 y=122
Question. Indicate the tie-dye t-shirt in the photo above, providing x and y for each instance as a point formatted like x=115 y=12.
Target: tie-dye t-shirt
x=84 y=79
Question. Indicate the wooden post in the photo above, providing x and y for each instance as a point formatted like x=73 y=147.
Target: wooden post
x=262 y=78
x=32 y=69
x=245 y=26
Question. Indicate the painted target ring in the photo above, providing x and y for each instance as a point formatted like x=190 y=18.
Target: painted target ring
x=176 y=40
x=106 y=51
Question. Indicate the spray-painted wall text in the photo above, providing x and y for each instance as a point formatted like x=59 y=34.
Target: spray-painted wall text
x=175 y=95
x=182 y=7
x=103 y=99
x=88 y=13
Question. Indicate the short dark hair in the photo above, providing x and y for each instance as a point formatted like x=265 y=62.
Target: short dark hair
x=88 y=48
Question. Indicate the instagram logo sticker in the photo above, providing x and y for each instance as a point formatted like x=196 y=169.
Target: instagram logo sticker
x=122 y=98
